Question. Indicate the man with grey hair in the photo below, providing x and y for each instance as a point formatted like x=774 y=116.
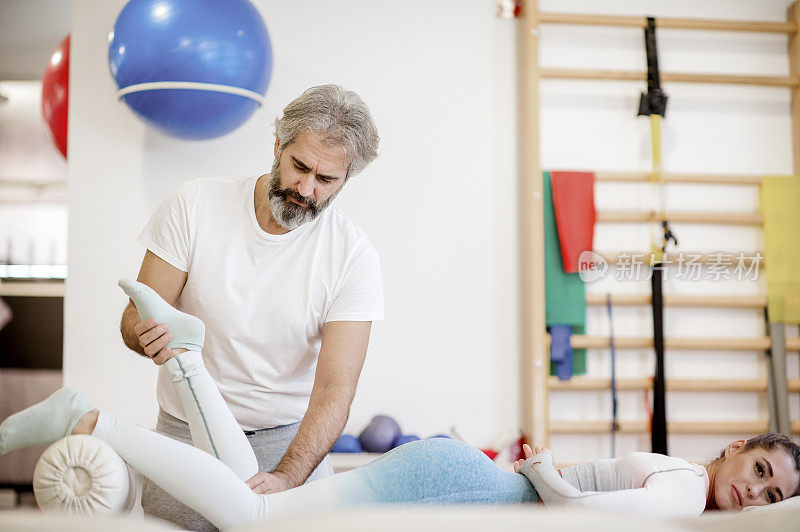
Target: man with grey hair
x=288 y=288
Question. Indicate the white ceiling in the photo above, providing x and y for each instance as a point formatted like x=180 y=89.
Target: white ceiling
x=29 y=32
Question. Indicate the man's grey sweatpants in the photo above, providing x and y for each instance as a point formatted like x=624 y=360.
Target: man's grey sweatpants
x=269 y=445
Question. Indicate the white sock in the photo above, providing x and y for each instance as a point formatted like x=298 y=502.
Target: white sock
x=187 y=331
x=44 y=422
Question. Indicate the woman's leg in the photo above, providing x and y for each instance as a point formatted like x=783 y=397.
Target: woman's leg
x=211 y=423
x=192 y=476
x=434 y=471
x=213 y=427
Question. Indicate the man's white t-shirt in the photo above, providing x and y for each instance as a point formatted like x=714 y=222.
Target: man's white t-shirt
x=264 y=298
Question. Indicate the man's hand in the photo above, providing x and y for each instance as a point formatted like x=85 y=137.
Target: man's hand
x=148 y=338
x=262 y=483
x=153 y=339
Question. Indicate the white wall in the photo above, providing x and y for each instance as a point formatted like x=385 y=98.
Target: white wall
x=439 y=204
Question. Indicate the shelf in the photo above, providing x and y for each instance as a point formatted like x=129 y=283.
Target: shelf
x=346 y=461
x=33 y=191
x=49 y=288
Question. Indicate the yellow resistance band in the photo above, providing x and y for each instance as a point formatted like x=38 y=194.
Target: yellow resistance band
x=658 y=241
x=780 y=206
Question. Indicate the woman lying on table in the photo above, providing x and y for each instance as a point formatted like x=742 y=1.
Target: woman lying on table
x=211 y=476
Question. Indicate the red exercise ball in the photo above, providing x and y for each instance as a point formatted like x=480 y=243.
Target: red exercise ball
x=55 y=95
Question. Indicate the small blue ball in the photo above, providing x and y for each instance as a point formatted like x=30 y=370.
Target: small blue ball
x=347 y=443
x=405 y=438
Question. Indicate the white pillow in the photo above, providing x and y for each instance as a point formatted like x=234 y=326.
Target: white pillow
x=82 y=475
x=792 y=503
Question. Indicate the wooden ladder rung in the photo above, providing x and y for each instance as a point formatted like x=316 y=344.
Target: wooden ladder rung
x=673 y=385
x=673 y=427
x=579 y=341
x=685 y=258
x=581 y=19
x=686 y=178
x=710 y=218
x=678 y=77
x=756 y=302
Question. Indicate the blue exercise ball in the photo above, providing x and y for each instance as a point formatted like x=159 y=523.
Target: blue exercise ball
x=347 y=443
x=380 y=434
x=404 y=438
x=194 y=69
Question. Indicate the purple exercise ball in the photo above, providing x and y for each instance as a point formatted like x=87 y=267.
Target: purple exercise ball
x=380 y=434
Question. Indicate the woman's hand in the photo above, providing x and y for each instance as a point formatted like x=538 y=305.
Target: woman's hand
x=526 y=449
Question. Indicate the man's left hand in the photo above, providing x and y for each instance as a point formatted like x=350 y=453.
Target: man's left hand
x=274 y=482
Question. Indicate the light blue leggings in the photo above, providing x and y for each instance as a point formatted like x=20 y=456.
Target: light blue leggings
x=210 y=477
x=434 y=471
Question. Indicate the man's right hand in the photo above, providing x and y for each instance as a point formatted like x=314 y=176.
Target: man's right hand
x=146 y=338
x=153 y=339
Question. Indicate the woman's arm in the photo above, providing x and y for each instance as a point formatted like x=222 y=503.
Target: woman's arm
x=669 y=493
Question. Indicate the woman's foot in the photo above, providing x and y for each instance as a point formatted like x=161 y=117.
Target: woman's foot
x=187 y=331
x=44 y=422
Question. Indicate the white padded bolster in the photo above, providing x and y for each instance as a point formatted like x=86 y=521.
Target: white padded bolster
x=82 y=475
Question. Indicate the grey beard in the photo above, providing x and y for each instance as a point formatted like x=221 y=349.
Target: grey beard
x=287 y=214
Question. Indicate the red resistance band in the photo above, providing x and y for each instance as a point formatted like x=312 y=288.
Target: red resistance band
x=573 y=203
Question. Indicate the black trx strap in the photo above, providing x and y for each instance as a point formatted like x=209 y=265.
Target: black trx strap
x=612 y=344
x=658 y=433
x=653 y=103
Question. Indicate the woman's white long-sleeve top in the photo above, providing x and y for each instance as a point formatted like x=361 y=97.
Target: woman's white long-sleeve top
x=641 y=484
